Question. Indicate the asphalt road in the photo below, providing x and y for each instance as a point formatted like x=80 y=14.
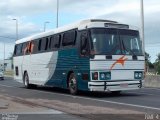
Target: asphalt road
x=133 y=104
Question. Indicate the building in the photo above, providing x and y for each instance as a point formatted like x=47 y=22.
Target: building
x=6 y=64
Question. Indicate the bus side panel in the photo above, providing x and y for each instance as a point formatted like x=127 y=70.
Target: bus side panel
x=68 y=60
x=42 y=67
x=18 y=74
x=84 y=70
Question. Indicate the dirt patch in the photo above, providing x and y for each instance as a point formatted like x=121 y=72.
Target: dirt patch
x=76 y=108
x=17 y=105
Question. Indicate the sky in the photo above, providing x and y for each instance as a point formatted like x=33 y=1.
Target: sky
x=31 y=15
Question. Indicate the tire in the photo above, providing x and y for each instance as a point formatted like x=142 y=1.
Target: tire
x=72 y=84
x=26 y=81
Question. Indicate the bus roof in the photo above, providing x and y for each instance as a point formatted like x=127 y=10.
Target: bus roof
x=89 y=23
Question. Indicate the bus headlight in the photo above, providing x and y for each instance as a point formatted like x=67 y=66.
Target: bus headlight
x=102 y=76
x=138 y=75
x=105 y=75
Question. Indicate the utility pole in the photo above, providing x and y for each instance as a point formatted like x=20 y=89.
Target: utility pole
x=16 y=28
x=4 y=58
x=45 y=23
x=142 y=24
x=57 y=12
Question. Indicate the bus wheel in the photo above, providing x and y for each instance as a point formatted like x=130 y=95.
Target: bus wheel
x=26 y=81
x=73 y=84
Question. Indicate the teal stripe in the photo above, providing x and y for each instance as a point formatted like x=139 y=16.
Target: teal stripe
x=67 y=60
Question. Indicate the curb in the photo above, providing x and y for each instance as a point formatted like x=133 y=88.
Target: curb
x=8 y=76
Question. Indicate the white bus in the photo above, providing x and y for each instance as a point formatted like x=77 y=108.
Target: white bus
x=91 y=55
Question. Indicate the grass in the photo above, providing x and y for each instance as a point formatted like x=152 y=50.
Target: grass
x=9 y=73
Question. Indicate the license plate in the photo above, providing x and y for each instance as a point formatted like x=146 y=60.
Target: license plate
x=124 y=85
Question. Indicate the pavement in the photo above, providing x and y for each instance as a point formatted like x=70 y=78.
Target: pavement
x=11 y=109
x=3 y=104
x=86 y=105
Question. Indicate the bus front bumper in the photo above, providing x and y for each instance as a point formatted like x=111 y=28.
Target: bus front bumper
x=115 y=85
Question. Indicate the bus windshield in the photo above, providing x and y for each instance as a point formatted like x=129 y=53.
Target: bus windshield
x=115 y=42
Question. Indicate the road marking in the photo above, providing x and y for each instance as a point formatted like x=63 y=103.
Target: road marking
x=93 y=99
x=142 y=93
x=47 y=112
x=8 y=86
x=126 y=104
x=152 y=88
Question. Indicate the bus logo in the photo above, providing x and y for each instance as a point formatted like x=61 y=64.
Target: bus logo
x=121 y=61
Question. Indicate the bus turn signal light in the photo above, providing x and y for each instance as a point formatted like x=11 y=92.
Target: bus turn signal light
x=95 y=75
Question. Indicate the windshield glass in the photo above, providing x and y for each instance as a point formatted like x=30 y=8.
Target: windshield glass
x=104 y=41
x=115 y=42
x=130 y=42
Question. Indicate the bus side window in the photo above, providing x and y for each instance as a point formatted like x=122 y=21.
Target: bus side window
x=27 y=48
x=51 y=44
x=69 y=38
x=57 y=41
x=15 y=50
x=31 y=47
x=39 y=44
x=43 y=44
x=46 y=45
x=24 y=49
x=84 y=44
x=35 y=48
x=18 y=50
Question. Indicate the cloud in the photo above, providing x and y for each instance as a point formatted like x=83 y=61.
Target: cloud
x=21 y=7
x=8 y=28
x=8 y=50
x=32 y=14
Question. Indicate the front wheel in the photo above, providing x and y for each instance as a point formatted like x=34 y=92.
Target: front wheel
x=73 y=84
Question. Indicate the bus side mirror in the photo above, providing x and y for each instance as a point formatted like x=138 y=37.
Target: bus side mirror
x=84 y=46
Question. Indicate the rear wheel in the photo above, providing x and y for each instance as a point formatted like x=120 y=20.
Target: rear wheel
x=26 y=81
x=73 y=84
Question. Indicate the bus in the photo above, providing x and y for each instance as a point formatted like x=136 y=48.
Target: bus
x=90 y=55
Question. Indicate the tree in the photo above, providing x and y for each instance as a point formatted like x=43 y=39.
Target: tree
x=147 y=57
x=158 y=57
x=149 y=65
x=157 y=64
